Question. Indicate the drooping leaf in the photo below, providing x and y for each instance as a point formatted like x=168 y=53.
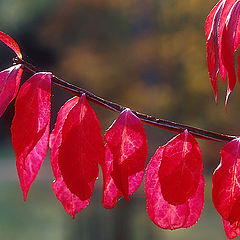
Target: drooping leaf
x=211 y=29
x=164 y=214
x=231 y=230
x=71 y=203
x=81 y=150
x=9 y=84
x=180 y=168
x=220 y=46
x=10 y=43
x=126 y=140
x=210 y=19
x=227 y=7
x=228 y=39
x=110 y=192
x=30 y=127
x=226 y=179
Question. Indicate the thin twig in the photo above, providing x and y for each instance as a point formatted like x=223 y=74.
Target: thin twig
x=157 y=122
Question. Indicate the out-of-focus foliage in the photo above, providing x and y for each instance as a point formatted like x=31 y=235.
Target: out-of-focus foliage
x=147 y=55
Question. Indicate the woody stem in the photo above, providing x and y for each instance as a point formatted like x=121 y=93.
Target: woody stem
x=157 y=122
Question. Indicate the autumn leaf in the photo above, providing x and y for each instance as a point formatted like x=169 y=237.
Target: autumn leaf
x=110 y=191
x=71 y=203
x=81 y=150
x=10 y=43
x=161 y=212
x=228 y=39
x=231 y=230
x=126 y=153
x=30 y=127
x=223 y=38
x=9 y=84
x=211 y=30
x=226 y=179
x=180 y=169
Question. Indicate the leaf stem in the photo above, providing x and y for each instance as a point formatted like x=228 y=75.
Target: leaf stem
x=157 y=122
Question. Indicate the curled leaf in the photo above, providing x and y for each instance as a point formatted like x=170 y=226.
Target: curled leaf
x=10 y=43
x=161 y=212
x=9 y=84
x=127 y=143
x=81 y=150
x=30 y=127
x=71 y=203
x=226 y=179
x=180 y=168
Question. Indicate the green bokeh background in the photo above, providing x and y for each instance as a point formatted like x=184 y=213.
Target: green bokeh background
x=147 y=55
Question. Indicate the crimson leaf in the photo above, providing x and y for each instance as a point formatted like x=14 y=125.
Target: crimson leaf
x=226 y=179
x=70 y=202
x=228 y=39
x=127 y=143
x=81 y=149
x=231 y=230
x=10 y=43
x=30 y=127
x=180 y=169
x=9 y=84
x=164 y=214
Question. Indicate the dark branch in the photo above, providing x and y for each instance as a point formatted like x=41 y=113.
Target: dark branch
x=161 y=123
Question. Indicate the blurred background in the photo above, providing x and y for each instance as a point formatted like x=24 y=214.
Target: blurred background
x=147 y=55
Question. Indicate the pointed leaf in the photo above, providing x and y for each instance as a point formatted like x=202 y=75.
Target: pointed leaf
x=81 y=150
x=30 y=127
x=227 y=7
x=9 y=84
x=214 y=28
x=110 y=192
x=210 y=19
x=228 y=38
x=226 y=179
x=231 y=230
x=71 y=203
x=126 y=140
x=211 y=29
x=180 y=169
x=10 y=43
x=161 y=212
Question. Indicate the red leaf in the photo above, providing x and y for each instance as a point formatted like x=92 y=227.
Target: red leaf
x=10 y=43
x=231 y=230
x=126 y=140
x=9 y=84
x=82 y=149
x=227 y=7
x=210 y=19
x=214 y=28
x=237 y=37
x=71 y=203
x=30 y=127
x=180 y=169
x=161 y=212
x=226 y=179
x=110 y=192
x=228 y=38
x=211 y=29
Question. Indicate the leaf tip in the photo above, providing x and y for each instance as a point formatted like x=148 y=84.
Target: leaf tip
x=227 y=97
x=25 y=194
x=6 y=39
